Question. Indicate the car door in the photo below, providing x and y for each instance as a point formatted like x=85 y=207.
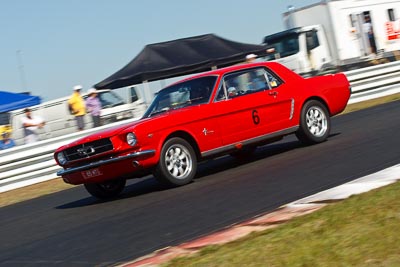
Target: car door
x=240 y=105
x=279 y=104
x=252 y=103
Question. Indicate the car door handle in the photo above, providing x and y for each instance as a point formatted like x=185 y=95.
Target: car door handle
x=273 y=93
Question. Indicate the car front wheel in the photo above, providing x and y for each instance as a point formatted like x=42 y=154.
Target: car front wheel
x=178 y=163
x=106 y=190
x=315 y=123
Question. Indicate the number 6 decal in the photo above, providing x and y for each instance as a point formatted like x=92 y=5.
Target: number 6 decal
x=256 y=118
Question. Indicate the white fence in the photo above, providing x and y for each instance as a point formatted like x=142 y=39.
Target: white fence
x=34 y=163
x=373 y=82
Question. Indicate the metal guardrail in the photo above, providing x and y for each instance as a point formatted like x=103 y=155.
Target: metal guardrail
x=375 y=81
x=33 y=163
x=29 y=164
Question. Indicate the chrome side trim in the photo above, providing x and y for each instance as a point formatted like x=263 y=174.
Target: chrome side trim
x=291 y=109
x=257 y=139
x=107 y=161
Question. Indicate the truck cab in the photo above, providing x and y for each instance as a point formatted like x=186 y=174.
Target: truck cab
x=337 y=35
x=302 y=49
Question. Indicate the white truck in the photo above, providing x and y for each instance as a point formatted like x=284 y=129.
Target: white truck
x=336 y=34
x=59 y=121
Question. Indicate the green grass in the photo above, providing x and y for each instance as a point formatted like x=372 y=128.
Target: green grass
x=32 y=191
x=371 y=103
x=363 y=230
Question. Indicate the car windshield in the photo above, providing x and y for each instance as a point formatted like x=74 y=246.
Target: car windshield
x=282 y=46
x=192 y=92
x=110 y=99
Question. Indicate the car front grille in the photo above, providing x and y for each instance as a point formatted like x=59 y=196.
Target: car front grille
x=88 y=149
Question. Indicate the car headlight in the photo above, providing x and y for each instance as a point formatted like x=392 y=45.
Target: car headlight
x=131 y=139
x=61 y=158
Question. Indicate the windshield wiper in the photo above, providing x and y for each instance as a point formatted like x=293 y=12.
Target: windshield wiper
x=173 y=107
x=182 y=104
x=155 y=112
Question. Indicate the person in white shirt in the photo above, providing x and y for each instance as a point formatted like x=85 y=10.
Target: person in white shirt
x=369 y=31
x=31 y=124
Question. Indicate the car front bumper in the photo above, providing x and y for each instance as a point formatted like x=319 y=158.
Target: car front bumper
x=120 y=161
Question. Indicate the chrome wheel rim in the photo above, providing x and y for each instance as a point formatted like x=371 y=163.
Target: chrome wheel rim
x=178 y=161
x=317 y=122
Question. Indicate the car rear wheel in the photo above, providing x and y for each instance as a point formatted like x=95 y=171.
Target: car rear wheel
x=178 y=163
x=106 y=190
x=315 y=123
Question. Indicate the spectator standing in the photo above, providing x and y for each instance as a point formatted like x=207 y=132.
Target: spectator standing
x=370 y=33
x=93 y=106
x=6 y=142
x=77 y=107
x=31 y=124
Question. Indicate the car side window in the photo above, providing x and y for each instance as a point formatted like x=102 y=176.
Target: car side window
x=222 y=92
x=273 y=80
x=242 y=83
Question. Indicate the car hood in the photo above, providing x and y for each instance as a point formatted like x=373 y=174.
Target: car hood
x=107 y=133
x=181 y=116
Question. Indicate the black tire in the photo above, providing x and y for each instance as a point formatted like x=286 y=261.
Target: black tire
x=178 y=163
x=315 y=123
x=106 y=190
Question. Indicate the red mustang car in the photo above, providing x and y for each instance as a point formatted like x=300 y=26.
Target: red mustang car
x=226 y=111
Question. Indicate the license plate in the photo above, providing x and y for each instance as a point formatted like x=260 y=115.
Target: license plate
x=91 y=173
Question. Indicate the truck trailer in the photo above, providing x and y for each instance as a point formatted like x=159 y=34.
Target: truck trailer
x=337 y=35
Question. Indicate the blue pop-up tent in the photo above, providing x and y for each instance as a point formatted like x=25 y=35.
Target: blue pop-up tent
x=12 y=101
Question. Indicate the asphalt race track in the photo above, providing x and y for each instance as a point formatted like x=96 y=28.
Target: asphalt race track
x=70 y=228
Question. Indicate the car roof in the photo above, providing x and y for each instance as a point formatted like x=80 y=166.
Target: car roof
x=224 y=70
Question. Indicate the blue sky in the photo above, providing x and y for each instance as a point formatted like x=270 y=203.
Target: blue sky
x=48 y=46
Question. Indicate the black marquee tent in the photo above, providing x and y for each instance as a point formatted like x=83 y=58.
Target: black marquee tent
x=180 y=57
